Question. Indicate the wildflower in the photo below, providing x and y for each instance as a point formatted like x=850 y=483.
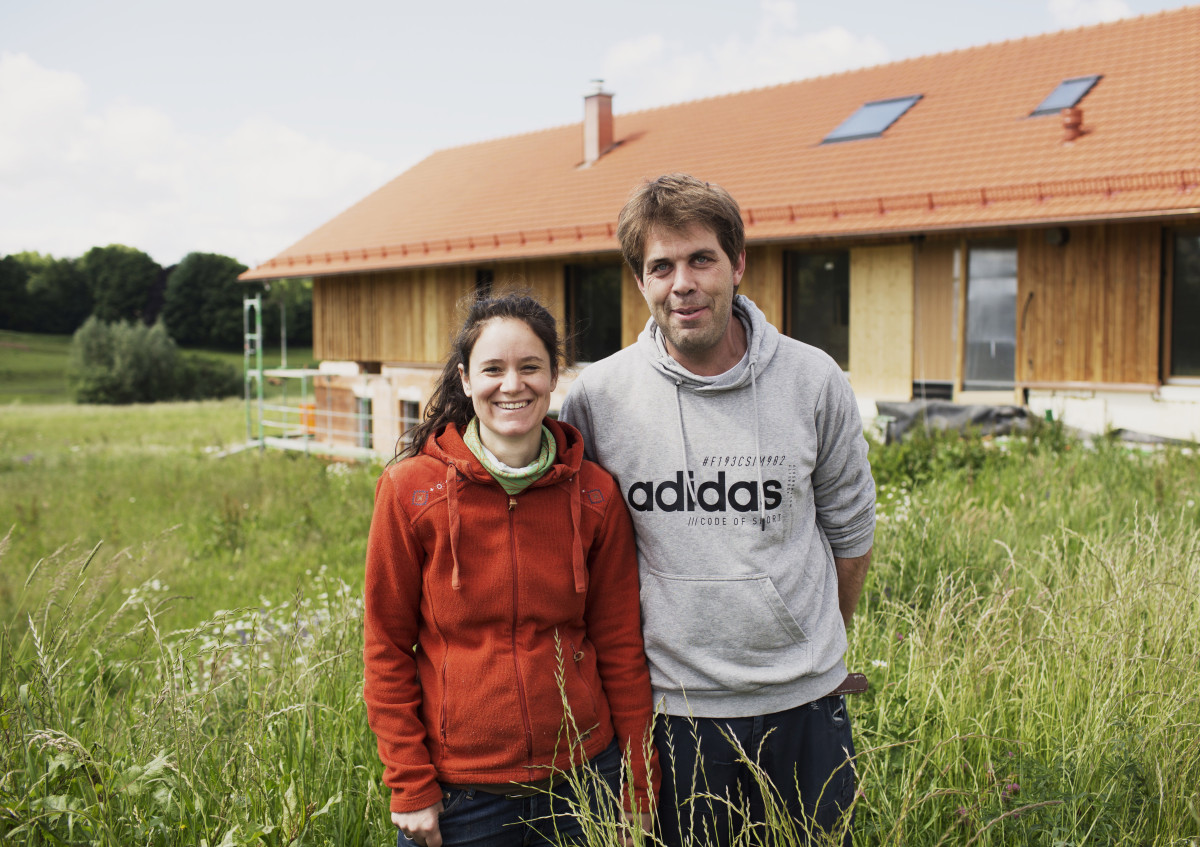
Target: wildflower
x=878 y=663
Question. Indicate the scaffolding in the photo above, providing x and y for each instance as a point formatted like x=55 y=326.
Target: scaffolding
x=317 y=411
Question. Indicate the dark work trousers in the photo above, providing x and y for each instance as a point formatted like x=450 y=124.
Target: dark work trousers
x=473 y=818
x=723 y=778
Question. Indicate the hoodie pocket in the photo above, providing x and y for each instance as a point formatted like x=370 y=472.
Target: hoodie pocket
x=709 y=633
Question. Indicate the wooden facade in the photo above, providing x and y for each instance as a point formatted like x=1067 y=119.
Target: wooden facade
x=1088 y=308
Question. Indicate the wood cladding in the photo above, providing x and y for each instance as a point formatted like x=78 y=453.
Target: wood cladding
x=881 y=321
x=411 y=315
x=936 y=295
x=1088 y=310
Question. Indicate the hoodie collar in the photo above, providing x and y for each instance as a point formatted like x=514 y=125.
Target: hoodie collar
x=762 y=339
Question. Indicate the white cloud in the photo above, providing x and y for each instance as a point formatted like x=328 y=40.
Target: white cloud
x=1081 y=12
x=73 y=175
x=651 y=70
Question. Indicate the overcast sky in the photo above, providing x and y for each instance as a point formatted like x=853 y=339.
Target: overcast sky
x=238 y=126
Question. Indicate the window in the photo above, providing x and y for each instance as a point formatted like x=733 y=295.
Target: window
x=817 y=301
x=1185 y=306
x=410 y=416
x=991 y=339
x=593 y=311
x=872 y=119
x=1068 y=93
x=362 y=422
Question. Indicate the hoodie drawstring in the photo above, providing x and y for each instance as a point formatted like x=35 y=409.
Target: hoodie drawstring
x=455 y=522
x=577 y=562
x=687 y=473
x=762 y=491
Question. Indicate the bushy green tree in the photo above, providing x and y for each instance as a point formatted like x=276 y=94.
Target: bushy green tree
x=14 y=299
x=129 y=362
x=59 y=296
x=203 y=305
x=120 y=279
x=294 y=297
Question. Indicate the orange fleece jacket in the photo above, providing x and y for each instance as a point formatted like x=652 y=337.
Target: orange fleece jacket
x=479 y=604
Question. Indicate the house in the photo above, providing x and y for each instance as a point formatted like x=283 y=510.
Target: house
x=1017 y=222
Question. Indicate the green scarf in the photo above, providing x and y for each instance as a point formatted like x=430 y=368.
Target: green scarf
x=512 y=481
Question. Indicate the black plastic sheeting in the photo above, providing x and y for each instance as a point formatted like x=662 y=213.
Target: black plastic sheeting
x=939 y=414
x=900 y=417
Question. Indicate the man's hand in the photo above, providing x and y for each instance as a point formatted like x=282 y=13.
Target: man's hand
x=851 y=574
x=421 y=827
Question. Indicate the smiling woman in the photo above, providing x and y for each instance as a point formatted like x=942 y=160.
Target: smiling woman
x=497 y=557
x=509 y=382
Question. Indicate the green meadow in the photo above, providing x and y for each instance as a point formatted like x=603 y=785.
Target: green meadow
x=180 y=652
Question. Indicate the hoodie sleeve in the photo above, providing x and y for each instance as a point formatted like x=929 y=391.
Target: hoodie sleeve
x=614 y=626
x=843 y=487
x=577 y=411
x=392 y=691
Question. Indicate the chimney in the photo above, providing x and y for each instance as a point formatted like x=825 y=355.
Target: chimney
x=597 y=123
x=1072 y=121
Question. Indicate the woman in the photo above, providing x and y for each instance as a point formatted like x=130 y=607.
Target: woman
x=503 y=635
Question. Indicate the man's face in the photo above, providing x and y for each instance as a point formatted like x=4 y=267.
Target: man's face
x=689 y=284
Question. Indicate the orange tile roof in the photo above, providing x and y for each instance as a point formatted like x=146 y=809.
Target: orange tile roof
x=966 y=155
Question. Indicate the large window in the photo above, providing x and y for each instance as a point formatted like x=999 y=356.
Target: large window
x=817 y=301
x=1185 y=306
x=991 y=317
x=593 y=311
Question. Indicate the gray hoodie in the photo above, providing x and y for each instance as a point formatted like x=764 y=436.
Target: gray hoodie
x=742 y=488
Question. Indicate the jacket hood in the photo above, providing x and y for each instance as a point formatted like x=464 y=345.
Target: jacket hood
x=762 y=339
x=462 y=468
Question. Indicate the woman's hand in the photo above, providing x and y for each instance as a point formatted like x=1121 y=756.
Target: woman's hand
x=634 y=821
x=421 y=827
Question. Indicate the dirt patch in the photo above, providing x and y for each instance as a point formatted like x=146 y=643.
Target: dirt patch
x=14 y=345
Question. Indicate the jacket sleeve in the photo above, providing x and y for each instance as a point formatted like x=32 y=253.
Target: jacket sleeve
x=843 y=488
x=391 y=690
x=614 y=626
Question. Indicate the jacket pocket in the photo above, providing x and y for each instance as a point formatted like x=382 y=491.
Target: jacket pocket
x=580 y=695
x=717 y=633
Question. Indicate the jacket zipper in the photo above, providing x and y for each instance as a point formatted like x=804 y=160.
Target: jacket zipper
x=512 y=540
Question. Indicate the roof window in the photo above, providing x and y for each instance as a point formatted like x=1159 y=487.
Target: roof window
x=872 y=119
x=1068 y=93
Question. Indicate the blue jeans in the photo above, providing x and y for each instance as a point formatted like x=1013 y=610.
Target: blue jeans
x=719 y=774
x=473 y=817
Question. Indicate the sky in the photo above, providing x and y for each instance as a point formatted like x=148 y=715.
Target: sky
x=238 y=126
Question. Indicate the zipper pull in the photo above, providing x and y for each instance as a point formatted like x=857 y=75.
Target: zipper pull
x=512 y=502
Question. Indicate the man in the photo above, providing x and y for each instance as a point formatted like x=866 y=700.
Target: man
x=741 y=456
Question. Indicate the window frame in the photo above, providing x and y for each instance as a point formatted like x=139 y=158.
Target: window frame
x=1042 y=109
x=833 y=137
x=573 y=332
x=791 y=259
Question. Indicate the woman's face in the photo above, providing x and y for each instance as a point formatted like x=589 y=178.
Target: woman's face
x=509 y=382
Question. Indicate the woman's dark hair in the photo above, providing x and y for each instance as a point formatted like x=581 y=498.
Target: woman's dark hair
x=449 y=404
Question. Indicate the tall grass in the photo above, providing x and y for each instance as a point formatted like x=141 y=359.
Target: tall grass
x=1028 y=627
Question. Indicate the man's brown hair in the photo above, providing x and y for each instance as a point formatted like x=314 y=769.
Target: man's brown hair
x=676 y=202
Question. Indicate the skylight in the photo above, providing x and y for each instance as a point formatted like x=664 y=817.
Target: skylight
x=872 y=119
x=1068 y=93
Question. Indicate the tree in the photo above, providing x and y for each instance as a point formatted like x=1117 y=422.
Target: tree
x=129 y=362
x=14 y=299
x=295 y=298
x=59 y=295
x=120 y=279
x=203 y=301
